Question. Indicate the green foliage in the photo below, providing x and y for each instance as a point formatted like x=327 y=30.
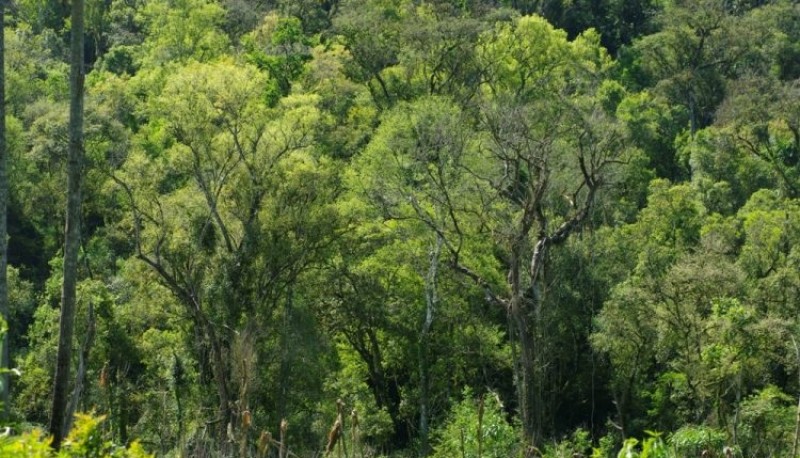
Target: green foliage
x=374 y=422
x=292 y=202
x=181 y=31
x=85 y=440
x=22 y=301
x=651 y=447
x=279 y=47
x=694 y=440
x=530 y=58
x=32 y=73
x=477 y=424
x=42 y=15
x=36 y=366
x=579 y=444
x=767 y=423
x=653 y=125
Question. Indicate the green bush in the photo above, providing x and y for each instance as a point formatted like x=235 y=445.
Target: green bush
x=577 y=445
x=85 y=441
x=767 y=423
x=694 y=440
x=459 y=435
x=652 y=447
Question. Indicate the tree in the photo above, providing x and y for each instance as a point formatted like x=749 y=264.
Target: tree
x=230 y=208
x=625 y=328
x=72 y=236
x=181 y=31
x=438 y=55
x=410 y=189
x=761 y=118
x=703 y=313
x=278 y=46
x=618 y=21
x=4 y=308
x=544 y=150
x=702 y=45
x=553 y=149
x=387 y=201
x=371 y=32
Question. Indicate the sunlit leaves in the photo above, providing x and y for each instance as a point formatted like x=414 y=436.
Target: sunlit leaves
x=279 y=47
x=181 y=30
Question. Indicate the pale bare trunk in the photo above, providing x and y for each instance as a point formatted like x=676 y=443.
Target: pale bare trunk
x=431 y=299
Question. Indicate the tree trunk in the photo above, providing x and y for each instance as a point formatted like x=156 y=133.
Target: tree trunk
x=178 y=375
x=83 y=361
x=220 y=370
x=693 y=122
x=384 y=391
x=797 y=417
x=285 y=374
x=72 y=231
x=4 y=309
x=431 y=300
x=526 y=389
x=523 y=331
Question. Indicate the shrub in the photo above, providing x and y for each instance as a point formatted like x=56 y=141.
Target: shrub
x=459 y=436
x=694 y=440
x=85 y=441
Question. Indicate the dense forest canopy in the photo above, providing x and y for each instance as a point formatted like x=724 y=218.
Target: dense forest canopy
x=407 y=228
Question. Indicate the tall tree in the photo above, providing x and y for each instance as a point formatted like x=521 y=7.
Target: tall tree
x=4 y=360
x=230 y=217
x=553 y=149
x=72 y=231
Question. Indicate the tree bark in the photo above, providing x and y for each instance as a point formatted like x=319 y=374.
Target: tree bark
x=83 y=361
x=431 y=300
x=526 y=391
x=220 y=375
x=219 y=366
x=524 y=331
x=72 y=231
x=4 y=309
x=524 y=305
x=285 y=375
x=797 y=417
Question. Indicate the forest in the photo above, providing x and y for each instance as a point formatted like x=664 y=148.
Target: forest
x=400 y=228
